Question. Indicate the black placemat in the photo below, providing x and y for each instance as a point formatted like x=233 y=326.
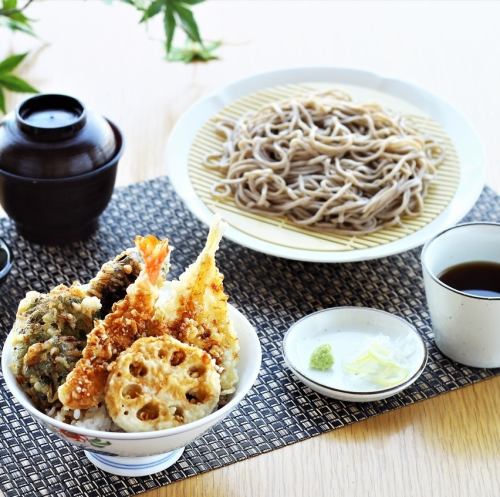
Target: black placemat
x=271 y=292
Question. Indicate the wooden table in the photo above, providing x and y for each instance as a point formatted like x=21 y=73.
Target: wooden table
x=447 y=446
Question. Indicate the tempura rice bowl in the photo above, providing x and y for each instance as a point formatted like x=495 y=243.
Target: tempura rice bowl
x=140 y=444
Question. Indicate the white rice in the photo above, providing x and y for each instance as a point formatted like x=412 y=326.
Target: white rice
x=95 y=418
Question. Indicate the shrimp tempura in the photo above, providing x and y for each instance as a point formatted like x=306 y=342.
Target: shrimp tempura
x=197 y=313
x=130 y=319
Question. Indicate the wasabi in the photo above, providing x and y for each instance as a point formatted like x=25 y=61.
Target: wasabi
x=322 y=357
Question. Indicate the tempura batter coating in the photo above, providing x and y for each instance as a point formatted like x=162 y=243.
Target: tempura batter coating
x=130 y=319
x=51 y=329
x=49 y=335
x=197 y=313
x=111 y=282
x=160 y=383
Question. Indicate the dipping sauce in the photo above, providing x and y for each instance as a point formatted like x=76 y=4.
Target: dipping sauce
x=478 y=278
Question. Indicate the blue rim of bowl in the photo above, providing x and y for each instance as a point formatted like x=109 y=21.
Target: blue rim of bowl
x=68 y=179
x=162 y=459
x=408 y=381
x=5 y=270
x=435 y=278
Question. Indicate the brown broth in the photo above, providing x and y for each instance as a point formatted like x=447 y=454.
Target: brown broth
x=478 y=278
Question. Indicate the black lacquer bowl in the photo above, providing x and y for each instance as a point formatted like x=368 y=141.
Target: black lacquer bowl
x=58 y=164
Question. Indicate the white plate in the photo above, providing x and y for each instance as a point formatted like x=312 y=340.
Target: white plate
x=349 y=330
x=464 y=138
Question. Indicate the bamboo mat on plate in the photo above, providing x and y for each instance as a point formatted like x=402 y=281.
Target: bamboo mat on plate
x=287 y=234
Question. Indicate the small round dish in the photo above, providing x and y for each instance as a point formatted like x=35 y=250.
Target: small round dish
x=356 y=335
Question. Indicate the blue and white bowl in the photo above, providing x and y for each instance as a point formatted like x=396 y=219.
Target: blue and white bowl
x=139 y=454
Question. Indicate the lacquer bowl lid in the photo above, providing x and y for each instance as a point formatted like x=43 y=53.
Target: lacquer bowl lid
x=54 y=136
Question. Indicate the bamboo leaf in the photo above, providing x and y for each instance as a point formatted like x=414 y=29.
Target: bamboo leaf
x=170 y=25
x=18 y=16
x=2 y=101
x=13 y=17
x=194 y=52
x=188 y=22
x=13 y=83
x=206 y=52
x=10 y=63
x=153 y=9
x=9 y=5
x=22 y=27
x=190 y=2
x=177 y=14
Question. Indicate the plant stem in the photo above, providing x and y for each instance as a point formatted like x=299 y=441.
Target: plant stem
x=9 y=12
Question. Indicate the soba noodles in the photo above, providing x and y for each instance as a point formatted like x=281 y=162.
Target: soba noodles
x=326 y=163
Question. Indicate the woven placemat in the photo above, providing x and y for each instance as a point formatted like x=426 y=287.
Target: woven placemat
x=271 y=292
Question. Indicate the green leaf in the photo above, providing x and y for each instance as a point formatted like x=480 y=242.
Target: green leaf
x=21 y=27
x=179 y=55
x=190 y=2
x=11 y=15
x=9 y=4
x=19 y=17
x=187 y=20
x=153 y=9
x=207 y=51
x=169 y=24
x=204 y=56
x=194 y=52
x=10 y=63
x=13 y=83
x=177 y=13
x=129 y=2
x=2 y=101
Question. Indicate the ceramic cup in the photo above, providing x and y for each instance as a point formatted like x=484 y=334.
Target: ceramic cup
x=466 y=327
